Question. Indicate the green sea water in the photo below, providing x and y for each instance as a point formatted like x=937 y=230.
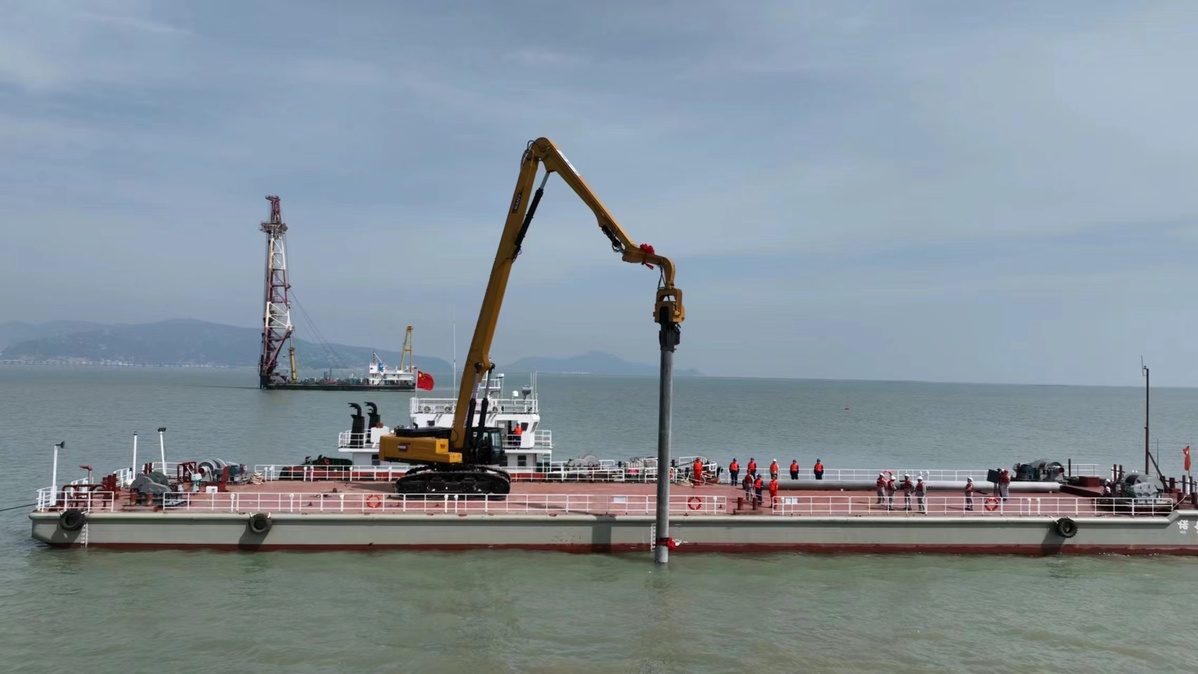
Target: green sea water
x=551 y=612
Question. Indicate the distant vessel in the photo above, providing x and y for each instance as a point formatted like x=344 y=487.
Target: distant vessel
x=277 y=330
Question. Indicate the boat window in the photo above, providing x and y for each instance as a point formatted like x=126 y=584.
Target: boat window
x=522 y=460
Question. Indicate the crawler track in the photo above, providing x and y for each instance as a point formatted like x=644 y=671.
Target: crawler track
x=465 y=481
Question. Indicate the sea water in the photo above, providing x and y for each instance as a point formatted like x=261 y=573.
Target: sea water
x=488 y=611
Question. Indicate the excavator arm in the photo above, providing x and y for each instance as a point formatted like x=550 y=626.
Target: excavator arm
x=467 y=443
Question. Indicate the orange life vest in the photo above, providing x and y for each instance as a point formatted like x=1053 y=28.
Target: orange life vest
x=733 y=467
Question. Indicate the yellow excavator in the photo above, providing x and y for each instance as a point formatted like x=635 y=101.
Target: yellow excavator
x=464 y=459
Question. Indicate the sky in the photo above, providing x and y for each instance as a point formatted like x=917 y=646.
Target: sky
x=933 y=191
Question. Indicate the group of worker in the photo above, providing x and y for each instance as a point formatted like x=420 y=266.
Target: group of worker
x=754 y=483
x=887 y=487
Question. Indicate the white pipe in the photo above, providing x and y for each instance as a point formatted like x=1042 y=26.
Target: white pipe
x=133 y=471
x=54 y=478
x=162 y=447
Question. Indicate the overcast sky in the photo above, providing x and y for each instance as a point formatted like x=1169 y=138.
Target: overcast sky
x=999 y=192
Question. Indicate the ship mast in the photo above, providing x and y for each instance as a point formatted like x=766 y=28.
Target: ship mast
x=276 y=321
x=405 y=357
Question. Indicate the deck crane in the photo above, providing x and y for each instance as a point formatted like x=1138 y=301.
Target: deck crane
x=462 y=459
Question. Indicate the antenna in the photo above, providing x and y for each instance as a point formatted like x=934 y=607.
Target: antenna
x=454 y=320
x=1147 y=449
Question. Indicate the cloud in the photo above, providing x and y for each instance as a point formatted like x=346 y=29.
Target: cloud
x=818 y=172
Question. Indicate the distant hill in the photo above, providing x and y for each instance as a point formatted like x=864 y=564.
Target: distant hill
x=199 y=343
x=592 y=362
x=18 y=331
x=190 y=342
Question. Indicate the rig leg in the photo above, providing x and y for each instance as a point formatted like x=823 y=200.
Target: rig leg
x=669 y=337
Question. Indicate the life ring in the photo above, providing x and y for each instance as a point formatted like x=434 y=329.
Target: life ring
x=426 y=409
x=447 y=409
x=72 y=520
x=326 y=461
x=374 y=501
x=992 y=503
x=694 y=503
x=260 y=523
x=1066 y=527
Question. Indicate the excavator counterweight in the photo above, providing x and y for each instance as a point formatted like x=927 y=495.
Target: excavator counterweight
x=463 y=459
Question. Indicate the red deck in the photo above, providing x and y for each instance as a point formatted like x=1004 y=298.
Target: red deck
x=366 y=497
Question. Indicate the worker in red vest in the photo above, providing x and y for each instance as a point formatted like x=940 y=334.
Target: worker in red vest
x=774 y=492
x=752 y=466
x=734 y=470
x=794 y=469
x=881 y=488
x=758 y=485
x=969 y=492
x=819 y=470
x=774 y=469
x=698 y=471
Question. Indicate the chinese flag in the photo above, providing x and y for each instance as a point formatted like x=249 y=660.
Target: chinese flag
x=1186 y=451
x=424 y=381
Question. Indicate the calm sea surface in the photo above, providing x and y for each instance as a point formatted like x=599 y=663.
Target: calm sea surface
x=484 y=611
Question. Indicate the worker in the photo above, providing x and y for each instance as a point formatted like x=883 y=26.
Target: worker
x=1004 y=484
x=752 y=466
x=819 y=470
x=908 y=487
x=733 y=471
x=748 y=486
x=758 y=485
x=881 y=488
x=794 y=469
x=890 y=489
x=519 y=430
x=774 y=469
x=697 y=471
x=774 y=492
x=969 y=491
x=921 y=493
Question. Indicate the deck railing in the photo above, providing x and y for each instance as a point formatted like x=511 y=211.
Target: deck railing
x=390 y=503
x=1015 y=506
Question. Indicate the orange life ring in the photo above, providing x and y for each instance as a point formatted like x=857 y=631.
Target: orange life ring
x=326 y=461
x=374 y=501
x=992 y=503
x=694 y=503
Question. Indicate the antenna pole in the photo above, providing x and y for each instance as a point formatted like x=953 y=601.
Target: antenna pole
x=454 y=320
x=1147 y=449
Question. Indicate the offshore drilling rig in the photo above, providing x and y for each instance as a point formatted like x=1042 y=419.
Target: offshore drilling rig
x=277 y=331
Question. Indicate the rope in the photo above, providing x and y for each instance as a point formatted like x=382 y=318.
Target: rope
x=26 y=505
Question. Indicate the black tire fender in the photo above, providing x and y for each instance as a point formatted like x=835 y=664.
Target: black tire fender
x=1066 y=527
x=72 y=520
x=260 y=523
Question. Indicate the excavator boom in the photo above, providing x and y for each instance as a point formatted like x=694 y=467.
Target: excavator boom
x=455 y=458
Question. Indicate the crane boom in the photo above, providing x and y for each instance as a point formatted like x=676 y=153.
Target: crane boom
x=470 y=444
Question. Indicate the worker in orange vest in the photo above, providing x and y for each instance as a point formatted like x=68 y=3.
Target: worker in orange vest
x=734 y=470
x=774 y=492
x=794 y=469
x=752 y=466
x=698 y=471
x=758 y=485
x=774 y=469
x=819 y=470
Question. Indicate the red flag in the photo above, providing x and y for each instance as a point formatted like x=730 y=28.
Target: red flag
x=1186 y=451
x=424 y=381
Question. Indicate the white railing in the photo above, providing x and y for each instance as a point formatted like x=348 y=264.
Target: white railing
x=496 y=404
x=934 y=474
x=848 y=506
x=321 y=473
x=389 y=503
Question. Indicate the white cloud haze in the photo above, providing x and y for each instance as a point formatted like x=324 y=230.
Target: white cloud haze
x=879 y=190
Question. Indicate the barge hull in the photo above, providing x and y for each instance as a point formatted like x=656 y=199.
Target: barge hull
x=1175 y=534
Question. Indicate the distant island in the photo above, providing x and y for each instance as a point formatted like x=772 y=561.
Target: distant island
x=193 y=343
